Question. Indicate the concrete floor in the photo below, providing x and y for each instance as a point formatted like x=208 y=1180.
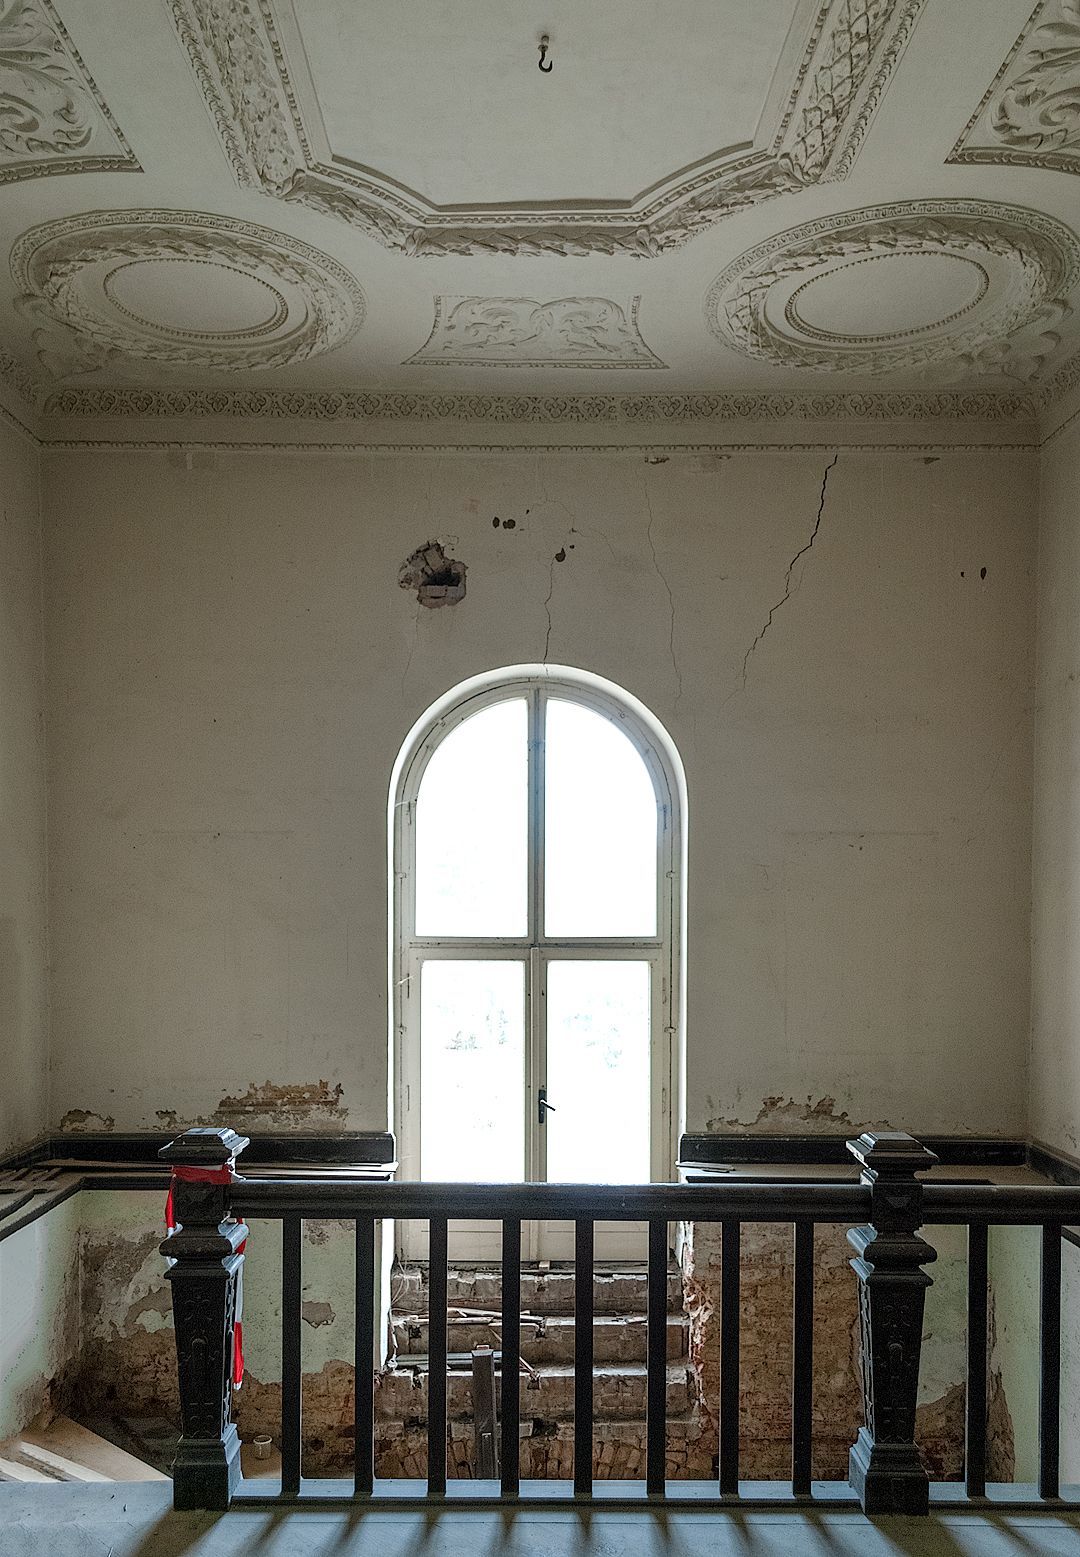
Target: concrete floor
x=137 y=1521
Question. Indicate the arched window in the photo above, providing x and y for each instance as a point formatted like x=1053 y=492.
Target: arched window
x=536 y=871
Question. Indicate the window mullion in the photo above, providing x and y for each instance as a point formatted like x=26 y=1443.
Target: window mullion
x=538 y=713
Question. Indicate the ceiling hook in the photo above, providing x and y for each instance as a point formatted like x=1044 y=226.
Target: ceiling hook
x=544 y=41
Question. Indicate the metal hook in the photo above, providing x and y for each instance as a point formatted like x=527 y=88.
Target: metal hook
x=544 y=41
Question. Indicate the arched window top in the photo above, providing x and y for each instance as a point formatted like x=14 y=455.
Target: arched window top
x=563 y=844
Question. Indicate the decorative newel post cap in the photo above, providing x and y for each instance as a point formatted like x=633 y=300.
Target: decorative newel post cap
x=208 y=1147
x=891 y=1153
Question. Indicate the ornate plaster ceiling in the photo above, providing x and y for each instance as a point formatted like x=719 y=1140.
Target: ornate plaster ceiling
x=347 y=209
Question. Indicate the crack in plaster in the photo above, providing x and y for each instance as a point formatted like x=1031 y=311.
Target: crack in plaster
x=547 y=609
x=662 y=576
x=786 y=596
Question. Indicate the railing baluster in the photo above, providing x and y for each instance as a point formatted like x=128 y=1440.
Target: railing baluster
x=729 y=1356
x=291 y=1229
x=363 y=1362
x=583 y=1358
x=1050 y=1361
x=975 y=1434
x=511 y=1350
x=436 y=1422
x=802 y=1361
x=204 y=1251
x=656 y=1362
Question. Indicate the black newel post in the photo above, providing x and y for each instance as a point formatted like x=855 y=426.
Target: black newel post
x=884 y=1467
x=204 y=1249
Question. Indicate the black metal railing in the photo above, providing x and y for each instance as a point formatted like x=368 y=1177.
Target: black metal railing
x=883 y=1211
x=980 y=1207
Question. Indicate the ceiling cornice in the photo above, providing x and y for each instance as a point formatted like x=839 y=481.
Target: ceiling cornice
x=127 y=416
x=657 y=408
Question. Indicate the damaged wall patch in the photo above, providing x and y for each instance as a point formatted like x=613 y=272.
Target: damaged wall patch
x=437 y=578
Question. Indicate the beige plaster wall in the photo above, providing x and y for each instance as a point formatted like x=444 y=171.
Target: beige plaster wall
x=1055 y=993
x=40 y=1339
x=232 y=669
x=23 y=990
x=1055 y=1051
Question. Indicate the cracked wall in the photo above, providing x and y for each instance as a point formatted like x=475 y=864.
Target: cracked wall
x=1055 y=1060
x=1055 y=974
x=232 y=669
x=23 y=988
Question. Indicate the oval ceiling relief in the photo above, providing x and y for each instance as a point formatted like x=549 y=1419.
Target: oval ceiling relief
x=178 y=287
x=943 y=287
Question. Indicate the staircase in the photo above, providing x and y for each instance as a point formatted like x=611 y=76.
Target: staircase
x=474 y=1298
x=58 y=1449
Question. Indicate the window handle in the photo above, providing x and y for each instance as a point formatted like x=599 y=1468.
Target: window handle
x=543 y=1107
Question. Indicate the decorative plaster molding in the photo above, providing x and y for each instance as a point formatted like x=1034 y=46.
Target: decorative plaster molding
x=652 y=453
x=66 y=275
x=1061 y=382
x=241 y=67
x=19 y=379
x=53 y=119
x=1030 y=113
x=354 y=405
x=1024 y=266
x=520 y=332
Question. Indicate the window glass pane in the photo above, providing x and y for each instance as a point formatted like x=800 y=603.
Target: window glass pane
x=598 y=1023
x=471 y=825
x=601 y=816
x=472 y=1066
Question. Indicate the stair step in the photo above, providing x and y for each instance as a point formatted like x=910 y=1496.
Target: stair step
x=13 y=1470
x=619 y=1392
x=616 y=1338
x=57 y=1466
x=622 y=1291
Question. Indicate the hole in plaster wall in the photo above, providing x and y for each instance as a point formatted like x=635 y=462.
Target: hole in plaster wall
x=437 y=579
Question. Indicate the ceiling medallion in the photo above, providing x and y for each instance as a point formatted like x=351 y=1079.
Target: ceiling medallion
x=109 y=287
x=1030 y=113
x=53 y=119
x=948 y=288
x=251 y=64
x=520 y=332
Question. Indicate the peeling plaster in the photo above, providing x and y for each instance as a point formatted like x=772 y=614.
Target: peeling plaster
x=86 y=1119
x=316 y=1314
x=123 y=1284
x=780 y=1114
x=288 y=1103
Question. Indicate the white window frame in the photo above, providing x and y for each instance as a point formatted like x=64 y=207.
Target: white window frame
x=663 y=951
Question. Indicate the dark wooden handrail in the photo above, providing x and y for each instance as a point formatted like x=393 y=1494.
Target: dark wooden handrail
x=1011 y=1205
x=780 y=1202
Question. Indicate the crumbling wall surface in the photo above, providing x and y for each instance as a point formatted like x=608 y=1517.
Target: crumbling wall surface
x=765 y=1368
x=1013 y=1266
x=128 y=1356
x=39 y=1317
